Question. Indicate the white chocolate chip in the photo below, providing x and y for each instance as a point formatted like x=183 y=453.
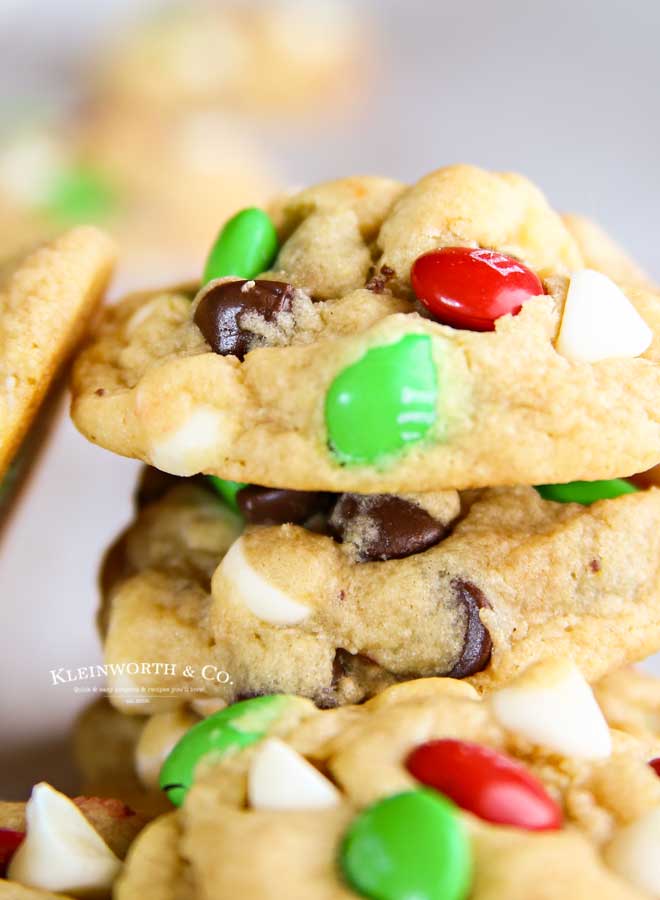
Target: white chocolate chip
x=61 y=850
x=599 y=321
x=280 y=778
x=159 y=736
x=186 y=451
x=264 y=600
x=634 y=853
x=552 y=706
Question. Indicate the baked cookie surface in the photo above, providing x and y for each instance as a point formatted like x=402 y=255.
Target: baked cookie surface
x=339 y=774
x=337 y=368
x=367 y=591
x=46 y=300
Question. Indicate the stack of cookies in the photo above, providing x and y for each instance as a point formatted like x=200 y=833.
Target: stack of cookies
x=390 y=555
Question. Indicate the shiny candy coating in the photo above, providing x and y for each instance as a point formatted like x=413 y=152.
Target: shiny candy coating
x=228 y=730
x=227 y=490
x=410 y=846
x=246 y=246
x=384 y=402
x=10 y=841
x=471 y=288
x=655 y=765
x=486 y=783
x=586 y=492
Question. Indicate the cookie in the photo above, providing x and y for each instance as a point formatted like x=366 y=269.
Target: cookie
x=274 y=60
x=601 y=252
x=367 y=591
x=54 y=846
x=160 y=184
x=362 y=360
x=46 y=300
x=412 y=794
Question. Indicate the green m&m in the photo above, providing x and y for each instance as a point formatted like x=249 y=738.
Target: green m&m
x=384 y=402
x=227 y=490
x=410 y=846
x=227 y=731
x=586 y=492
x=80 y=194
x=246 y=246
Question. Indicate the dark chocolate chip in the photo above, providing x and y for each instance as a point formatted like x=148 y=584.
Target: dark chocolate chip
x=477 y=643
x=152 y=485
x=272 y=506
x=383 y=526
x=219 y=314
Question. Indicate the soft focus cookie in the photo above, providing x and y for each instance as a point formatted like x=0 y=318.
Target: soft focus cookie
x=357 y=350
x=274 y=59
x=428 y=790
x=366 y=591
x=160 y=184
x=601 y=252
x=46 y=300
x=57 y=847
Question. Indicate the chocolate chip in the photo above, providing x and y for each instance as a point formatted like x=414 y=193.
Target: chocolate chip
x=221 y=312
x=378 y=282
x=477 y=643
x=383 y=526
x=271 y=506
x=152 y=485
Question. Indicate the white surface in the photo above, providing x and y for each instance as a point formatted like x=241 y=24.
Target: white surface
x=566 y=92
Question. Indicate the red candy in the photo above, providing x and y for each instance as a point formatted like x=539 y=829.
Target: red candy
x=655 y=764
x=9 y=842
x=486 y=783
x=471 y=288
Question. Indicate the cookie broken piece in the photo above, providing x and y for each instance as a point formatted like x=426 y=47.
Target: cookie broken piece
x=362 y=387
x=292 y=609
x=46 y=300
x=363 y=757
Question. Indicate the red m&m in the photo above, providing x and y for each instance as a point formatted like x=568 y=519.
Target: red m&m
x=10 y=841
x=486 y=783
x=471 y=288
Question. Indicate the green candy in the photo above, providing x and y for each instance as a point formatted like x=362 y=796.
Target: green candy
x=411 y=846
x=384 y=402
x=227 y=731
x=246 y=246
x=586 y=492
x=80 y=195
x=227 y=490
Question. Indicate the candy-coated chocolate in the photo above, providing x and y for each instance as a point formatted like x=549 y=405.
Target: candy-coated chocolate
x=246 y=246
x=486 y=783
x=231 y=729
x=227 y=490
x=410 y=846
x=472 y=288
x=80 y=195
x=655 y=765
x=384 y=402
x=10 y=841
x=586 y=492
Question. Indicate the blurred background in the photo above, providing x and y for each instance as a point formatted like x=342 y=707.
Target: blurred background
x=158 y=121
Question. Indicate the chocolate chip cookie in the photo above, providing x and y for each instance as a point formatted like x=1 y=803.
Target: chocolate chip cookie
x=334 y=597
x=373 y=337
x=489 y=796
x=46 y=299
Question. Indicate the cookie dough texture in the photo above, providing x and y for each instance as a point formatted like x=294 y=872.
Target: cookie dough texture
x=515 y=579
x=215 y=846
x=601 y=252
x=46 y=300
x=510 y=409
